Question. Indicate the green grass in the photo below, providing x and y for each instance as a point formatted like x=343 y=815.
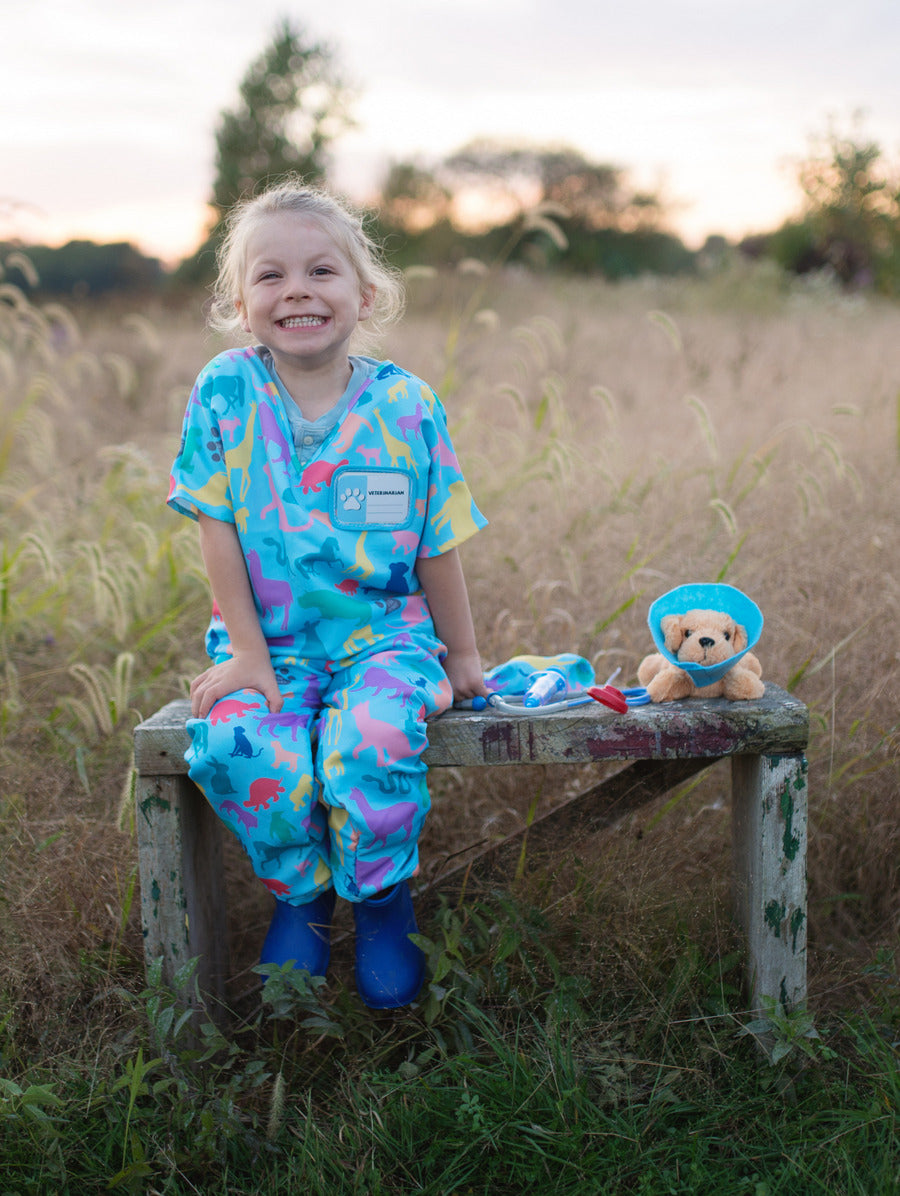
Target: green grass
x=586 y=1031
x=512 y=1076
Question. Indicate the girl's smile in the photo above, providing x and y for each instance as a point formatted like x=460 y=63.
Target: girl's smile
x=302 y=322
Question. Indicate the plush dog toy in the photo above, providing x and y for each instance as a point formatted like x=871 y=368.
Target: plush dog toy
x=702 y=637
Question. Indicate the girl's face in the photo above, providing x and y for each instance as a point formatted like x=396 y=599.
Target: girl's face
x=300 y=294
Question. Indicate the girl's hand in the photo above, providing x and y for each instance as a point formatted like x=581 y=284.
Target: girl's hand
x=466 y=675
x=241 y=672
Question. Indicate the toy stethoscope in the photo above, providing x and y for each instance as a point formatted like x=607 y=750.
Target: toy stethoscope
x=619 y=700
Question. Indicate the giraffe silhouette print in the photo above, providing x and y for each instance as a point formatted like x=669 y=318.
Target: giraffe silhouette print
x=331 y=791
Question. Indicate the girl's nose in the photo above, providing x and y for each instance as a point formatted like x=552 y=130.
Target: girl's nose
x=296 y=288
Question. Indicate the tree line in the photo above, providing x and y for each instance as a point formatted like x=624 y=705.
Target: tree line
x=548 y=207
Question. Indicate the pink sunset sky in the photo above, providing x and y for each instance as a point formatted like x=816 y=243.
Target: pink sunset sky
x=109 y=110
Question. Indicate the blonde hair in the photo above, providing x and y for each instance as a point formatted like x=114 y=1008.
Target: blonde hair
x=340 y=222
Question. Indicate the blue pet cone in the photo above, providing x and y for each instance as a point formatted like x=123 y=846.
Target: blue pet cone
x=301 y=933
x=700 y=596
x=390 y=968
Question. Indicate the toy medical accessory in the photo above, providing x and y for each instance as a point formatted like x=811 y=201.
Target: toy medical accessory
x=700 y=596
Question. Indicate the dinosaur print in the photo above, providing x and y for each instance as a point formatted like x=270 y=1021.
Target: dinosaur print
x=278 y=887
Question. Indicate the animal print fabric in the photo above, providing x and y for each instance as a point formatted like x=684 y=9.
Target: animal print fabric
x=332 y=789
x=331 y=547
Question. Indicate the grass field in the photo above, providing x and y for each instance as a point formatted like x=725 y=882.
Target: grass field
x=582 y=1032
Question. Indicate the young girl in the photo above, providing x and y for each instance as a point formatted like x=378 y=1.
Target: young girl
x=330 y=505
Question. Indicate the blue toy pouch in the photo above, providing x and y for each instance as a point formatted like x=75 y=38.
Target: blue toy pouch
x=700 y=596
x=523 y=674
x=538 y=685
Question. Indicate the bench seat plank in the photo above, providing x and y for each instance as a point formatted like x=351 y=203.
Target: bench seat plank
x=714 y=727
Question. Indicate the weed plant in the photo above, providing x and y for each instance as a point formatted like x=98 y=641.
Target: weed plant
x=583 y=1031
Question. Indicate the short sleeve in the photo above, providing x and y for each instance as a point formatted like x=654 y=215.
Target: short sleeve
x=451 y=515
x=198 y=482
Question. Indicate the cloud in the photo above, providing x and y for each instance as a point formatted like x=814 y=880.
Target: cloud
x=106 y=105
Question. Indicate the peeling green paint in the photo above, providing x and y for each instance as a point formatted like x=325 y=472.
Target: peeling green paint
x=796 y=925
x=154 y=801
x=791 y=842
x=775 y=914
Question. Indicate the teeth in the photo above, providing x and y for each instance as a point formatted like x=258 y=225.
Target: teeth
x=301 y=321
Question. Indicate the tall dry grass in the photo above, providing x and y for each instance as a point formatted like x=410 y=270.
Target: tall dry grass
x=626 y=439
x=621 y=439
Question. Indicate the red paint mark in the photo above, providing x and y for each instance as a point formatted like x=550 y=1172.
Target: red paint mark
x=500 y=743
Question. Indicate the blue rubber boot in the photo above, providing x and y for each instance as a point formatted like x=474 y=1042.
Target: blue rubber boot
x=301 y=933
x=389 y=967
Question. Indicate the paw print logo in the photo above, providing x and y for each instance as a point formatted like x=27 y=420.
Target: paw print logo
x=352 y=499
x=215 y=448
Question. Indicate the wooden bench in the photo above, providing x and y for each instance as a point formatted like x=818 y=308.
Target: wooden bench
x=180 y=846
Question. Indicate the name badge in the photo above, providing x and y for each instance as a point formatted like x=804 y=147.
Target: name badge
x=372 y=498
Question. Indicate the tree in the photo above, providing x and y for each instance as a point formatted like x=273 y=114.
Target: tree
x=412 y=198
x=292 y=105
x=593 y=194
x=544 y=205
x=82 y=268
x=851 y=218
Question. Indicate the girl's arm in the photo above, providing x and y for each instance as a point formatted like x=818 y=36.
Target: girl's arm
x=445 y=590
x=250 y=666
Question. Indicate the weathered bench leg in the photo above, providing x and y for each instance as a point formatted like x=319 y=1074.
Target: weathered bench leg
x=769 y=817
x=182 y=881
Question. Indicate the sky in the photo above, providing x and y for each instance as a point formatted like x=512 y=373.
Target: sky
x=108 y=110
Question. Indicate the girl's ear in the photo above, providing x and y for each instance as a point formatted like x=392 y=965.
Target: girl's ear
x=366 y=301
x=239 y=308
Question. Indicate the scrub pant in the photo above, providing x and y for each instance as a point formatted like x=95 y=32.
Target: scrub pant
x=331 y=790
